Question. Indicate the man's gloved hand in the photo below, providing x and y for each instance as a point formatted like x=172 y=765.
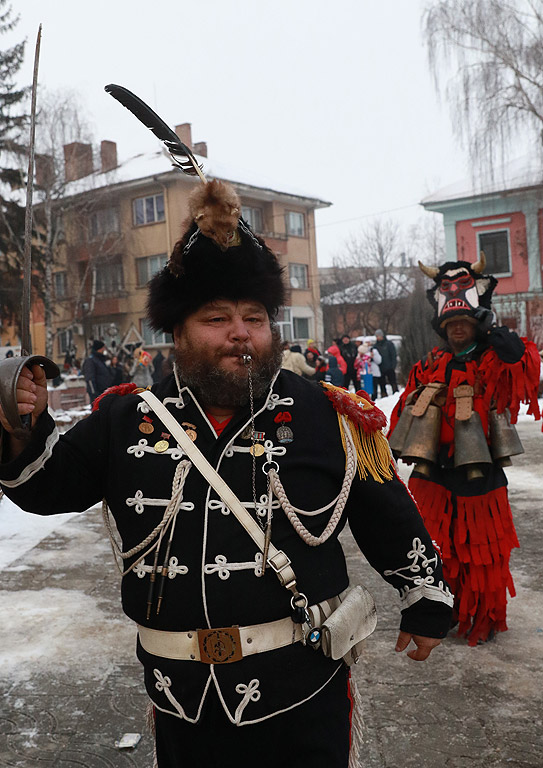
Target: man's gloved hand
x=485 y=317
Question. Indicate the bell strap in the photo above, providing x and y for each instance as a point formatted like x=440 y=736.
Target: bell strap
x=276 y=559
x=464 y=402
x=426 y=397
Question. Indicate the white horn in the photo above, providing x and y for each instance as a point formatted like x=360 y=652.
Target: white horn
x=429 y=271
x=480 y=265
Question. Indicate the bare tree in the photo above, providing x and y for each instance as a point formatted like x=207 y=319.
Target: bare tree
x=493 y=51
x=376 y=278
x=66 y=205
x=59 y=122
x=427 y=240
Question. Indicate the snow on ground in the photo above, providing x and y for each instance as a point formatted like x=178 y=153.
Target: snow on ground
x=58 y=628
x=21 y=531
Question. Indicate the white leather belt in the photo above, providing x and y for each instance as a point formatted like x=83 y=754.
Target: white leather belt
x=222 y=645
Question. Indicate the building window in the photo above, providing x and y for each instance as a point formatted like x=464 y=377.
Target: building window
x=253 y=217
x=102 y=331
x=297 y=274
x=148 y=210
x=103 y=222
x=149 y=266
x=154 y=338
x=60 y=282
x=284 y=321
x=295 y=224
x=109 y=276
x=496 y=248
x=301 y=327
x=65 y=341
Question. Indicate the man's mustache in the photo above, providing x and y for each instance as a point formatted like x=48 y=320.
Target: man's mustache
x=237 y=350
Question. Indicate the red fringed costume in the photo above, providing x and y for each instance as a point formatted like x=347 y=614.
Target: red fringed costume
x=471 y=520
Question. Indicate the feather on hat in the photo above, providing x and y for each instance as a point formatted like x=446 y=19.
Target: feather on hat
x=218 y=256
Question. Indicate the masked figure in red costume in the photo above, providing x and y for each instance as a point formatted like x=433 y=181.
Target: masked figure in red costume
x=454 y=421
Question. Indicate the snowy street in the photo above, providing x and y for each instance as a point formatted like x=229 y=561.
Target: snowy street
x=71 y=686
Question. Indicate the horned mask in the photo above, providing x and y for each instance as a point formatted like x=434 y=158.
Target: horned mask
x=460 y=289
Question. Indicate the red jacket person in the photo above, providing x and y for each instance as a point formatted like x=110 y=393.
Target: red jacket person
x=455 y=422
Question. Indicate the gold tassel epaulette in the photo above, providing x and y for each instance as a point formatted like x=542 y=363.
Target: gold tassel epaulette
x=365 y=422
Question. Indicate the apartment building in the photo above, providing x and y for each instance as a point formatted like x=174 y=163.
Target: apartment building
x=120 y=222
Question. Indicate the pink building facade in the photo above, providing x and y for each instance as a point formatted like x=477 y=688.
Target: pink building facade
x=505 y=220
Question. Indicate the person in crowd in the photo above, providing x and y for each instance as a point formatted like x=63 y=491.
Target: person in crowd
x=158 y=360
x=168 y=363
x=334 y=375
x=294 y=361
x=367 y=364
x=9 y=354
x=321 y=367
x=387 y=351
x=97 y=374
x=348 y=351
x=231 y=566
x=117 y=371
x=453 y=421
x=141 y=372
x=311 y=349
x=333 y=351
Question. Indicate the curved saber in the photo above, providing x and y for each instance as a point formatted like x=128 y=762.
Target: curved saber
x=26 y=340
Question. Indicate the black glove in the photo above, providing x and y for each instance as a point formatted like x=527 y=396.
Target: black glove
x=486 y=318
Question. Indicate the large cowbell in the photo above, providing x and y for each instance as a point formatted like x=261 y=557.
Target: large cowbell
x=470 y=446
x=504 y=440
x=422 y=442
x=399 y=436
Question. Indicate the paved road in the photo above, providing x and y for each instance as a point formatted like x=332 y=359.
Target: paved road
x=480 y=707
x=70 y=684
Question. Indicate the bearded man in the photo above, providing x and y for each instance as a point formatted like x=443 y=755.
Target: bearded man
x=232 y=596
x=454 y=421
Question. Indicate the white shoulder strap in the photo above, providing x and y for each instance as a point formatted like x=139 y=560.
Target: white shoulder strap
x=277 y=559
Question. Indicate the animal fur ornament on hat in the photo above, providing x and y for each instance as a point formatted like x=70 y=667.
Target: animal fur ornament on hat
x=230 y=262
x=461 y=291
x=218 y=256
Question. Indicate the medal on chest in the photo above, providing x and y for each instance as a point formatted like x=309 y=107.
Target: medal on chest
x=190 y=430
x=284 y=433
x=162 y=445
x=146 y=426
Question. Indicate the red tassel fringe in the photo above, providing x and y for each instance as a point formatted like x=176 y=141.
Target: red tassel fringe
x=363 y=413
x=476 y=546
x=120 y=389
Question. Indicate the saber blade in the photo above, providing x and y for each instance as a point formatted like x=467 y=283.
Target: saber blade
x=26 y=340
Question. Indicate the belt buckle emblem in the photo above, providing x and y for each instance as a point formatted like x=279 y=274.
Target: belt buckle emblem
x=219 y=646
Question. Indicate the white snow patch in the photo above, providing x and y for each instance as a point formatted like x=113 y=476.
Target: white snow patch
x=21 y=531
x=60 y=630
x=522 y=415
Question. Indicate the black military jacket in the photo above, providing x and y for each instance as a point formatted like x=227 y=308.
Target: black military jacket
x=214 y=566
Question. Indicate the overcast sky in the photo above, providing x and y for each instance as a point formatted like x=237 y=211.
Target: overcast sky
x=334 y=98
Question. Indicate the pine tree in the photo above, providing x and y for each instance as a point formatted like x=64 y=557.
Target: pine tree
x=13 y=152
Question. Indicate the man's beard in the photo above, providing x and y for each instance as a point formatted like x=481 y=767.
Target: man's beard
x=214 y=386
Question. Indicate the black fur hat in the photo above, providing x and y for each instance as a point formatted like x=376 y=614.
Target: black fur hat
x=202 y=269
